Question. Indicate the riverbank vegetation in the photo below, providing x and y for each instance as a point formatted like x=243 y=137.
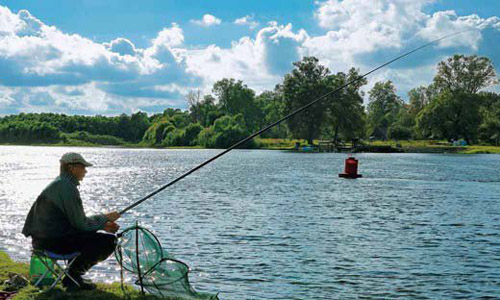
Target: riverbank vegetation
x=103 y=291
x=453 y=108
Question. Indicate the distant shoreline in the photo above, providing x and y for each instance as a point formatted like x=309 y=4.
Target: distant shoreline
x=288 y=145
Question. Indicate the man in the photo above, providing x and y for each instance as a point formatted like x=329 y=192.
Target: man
x=57 y=222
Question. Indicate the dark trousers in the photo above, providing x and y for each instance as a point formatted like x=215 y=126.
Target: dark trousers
x=94 y=247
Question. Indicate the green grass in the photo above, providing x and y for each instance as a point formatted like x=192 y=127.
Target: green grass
x=7 y=266
x=103 y=292
x=279 y=144
x=413 y=143
x=434 y=146
x=481 y=150
x=415 y=146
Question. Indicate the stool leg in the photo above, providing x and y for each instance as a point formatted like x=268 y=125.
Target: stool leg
x=42 y=259
x=52 y=270
x=66 y=271
x=57 y=270
x=42 y=277
x=59 y=276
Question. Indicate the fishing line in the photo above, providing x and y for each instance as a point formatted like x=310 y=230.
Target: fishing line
x=285 y=118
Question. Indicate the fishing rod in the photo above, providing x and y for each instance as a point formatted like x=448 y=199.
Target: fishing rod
x=283 y=119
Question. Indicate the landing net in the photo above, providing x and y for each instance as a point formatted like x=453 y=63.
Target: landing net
x=139 y=251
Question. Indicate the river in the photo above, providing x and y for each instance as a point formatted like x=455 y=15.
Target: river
x=259 y=224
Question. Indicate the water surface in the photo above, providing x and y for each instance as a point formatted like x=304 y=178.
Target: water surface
x=282 y=225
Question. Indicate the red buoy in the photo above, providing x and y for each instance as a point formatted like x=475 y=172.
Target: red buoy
x=351 y=168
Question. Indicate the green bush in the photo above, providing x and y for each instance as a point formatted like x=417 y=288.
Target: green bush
x=26 y=132
x=225 y=132
x=157 y=132
x=191 y=133
x=94 y=138
x=174 y=137
x=399 y=132
x=206 y=137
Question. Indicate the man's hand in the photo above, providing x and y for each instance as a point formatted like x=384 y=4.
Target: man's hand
x=113 y=216
x=111 y=227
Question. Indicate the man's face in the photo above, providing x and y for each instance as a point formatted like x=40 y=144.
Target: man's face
x=78 y=171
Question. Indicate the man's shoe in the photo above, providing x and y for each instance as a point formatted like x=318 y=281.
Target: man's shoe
x=83 y=284
x=70 y=285
x=86 y=284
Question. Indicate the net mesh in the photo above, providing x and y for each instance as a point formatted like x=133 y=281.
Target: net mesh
x=159 y=273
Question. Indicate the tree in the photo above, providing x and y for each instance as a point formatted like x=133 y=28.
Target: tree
x=455 y=112
x=383 y=108
x=451 y=116
x=205 y=111
x=462 y=74
x=139 y=123
x=191 y=133
x=344 y=112
x=420 y=97
x=271 y=105
x=236 y=98
x=157 y=132
x=26 y=132
x=225 y=132
x=399 y=132
x=402 y=128
x=489 y=130
x=194 y=99
x=304 y=84
x=53 y=127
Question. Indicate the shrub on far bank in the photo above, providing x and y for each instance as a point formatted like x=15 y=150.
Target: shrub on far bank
x=399 y=132
x=94 y=138
x=226 y=131
x=191 y=133
x=29 y=133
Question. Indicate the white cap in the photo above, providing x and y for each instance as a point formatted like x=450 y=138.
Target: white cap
x=74 y=158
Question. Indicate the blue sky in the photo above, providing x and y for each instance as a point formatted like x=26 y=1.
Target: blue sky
x=111 y=57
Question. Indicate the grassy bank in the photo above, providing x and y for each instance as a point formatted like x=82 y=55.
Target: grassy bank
x=481 y=150
x=103 y=292
x=419 y=146
x=279 y=144
x=424 y=146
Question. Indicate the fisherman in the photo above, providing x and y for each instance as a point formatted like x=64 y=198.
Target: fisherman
x=57 y=223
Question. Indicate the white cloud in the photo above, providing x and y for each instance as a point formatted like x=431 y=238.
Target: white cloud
x=9 y=23
x=359 y=26
x=36 y=57
x=30 y=24
x=447 y=22
x=6 y=97
x=170 y=37
x=49 y=99
x=207 y=21
x=363 y=26
x=367 y=33
x=121 y=46
x=259 y=62
x=247 y=21
x=45 y=69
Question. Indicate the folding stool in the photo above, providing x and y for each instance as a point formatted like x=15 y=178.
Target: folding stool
x=58 y=270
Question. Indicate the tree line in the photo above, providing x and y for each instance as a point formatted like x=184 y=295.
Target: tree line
x=452 y=107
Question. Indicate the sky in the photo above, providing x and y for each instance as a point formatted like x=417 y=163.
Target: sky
x=111 y=57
